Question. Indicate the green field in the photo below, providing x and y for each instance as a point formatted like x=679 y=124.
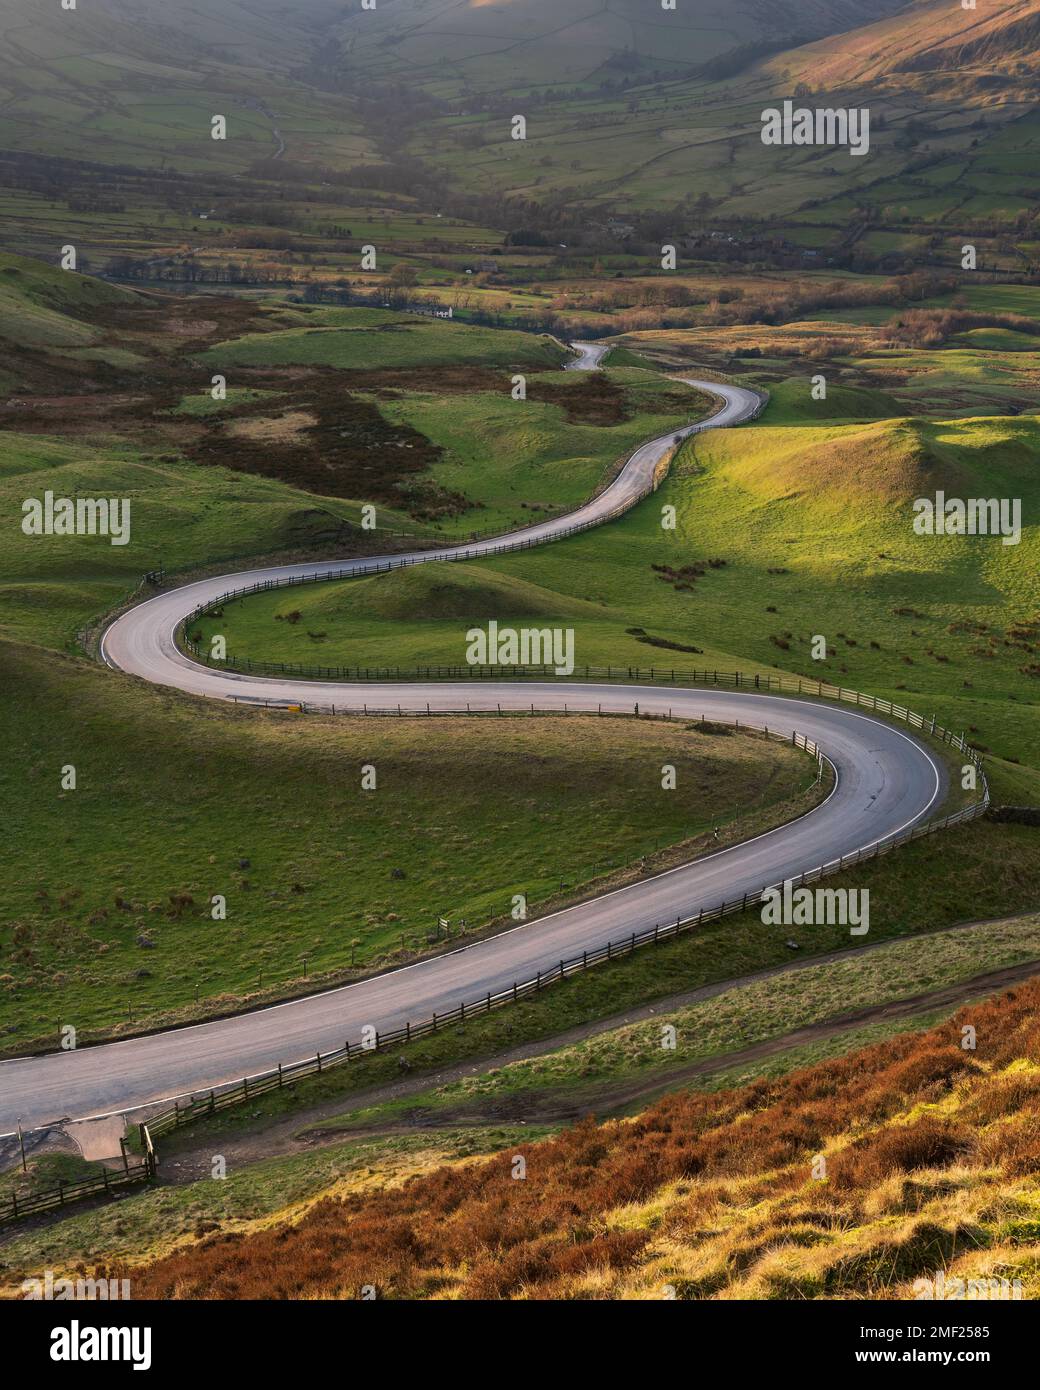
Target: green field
x=181 y=515
x=110 y=919
x=814 y=523
x=400 y=340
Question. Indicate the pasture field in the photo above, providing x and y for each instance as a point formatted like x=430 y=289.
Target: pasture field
x=110 y=920
x=181 y=515
x=814 y=525
x=399 y=341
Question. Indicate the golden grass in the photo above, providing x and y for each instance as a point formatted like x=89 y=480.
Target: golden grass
x=853 y=1178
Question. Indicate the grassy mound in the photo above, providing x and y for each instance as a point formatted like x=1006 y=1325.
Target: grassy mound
x=43 y=307
x=423 y=594
x=401 y=340
x=791 y=402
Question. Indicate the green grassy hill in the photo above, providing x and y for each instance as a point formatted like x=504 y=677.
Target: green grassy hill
x=42 y=307
x=139 y=87
x=398 y=340
x=814 y=524
x=109 y=921
x=183 y=515
x=511 y=44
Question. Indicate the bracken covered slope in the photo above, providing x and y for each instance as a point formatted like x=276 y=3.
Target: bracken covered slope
x=930 y=1153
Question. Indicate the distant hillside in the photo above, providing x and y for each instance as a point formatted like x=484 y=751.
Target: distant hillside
x=136 y=82
x=929 y=1153
x=997 y=44
x=496 y=45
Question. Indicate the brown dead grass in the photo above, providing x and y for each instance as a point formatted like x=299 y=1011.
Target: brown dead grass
x=274 y=429
x=931 y=1149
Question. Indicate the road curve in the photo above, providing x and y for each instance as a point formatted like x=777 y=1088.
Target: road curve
x=887 y=781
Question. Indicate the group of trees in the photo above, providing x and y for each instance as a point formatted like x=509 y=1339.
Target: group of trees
x=186 y=270
x=929 y=328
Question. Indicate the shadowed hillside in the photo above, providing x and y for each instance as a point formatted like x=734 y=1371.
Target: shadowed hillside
x=496 y=44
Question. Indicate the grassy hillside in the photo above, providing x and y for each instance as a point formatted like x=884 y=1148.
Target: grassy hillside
x=677 y=105
x=729 y=1036
x=814 y=523
x=958 y=53
x=43 y=307
x=929 y=1152
x=514 y=43
x=399 y=340
x=416 y=418
x=181 y=515
x=110 y=919
x=408 y=108
x=139 y=87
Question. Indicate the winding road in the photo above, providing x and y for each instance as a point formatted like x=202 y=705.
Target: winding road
x=887 y=780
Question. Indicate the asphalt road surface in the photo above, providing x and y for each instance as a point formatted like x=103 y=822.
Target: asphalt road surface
x=887 y=781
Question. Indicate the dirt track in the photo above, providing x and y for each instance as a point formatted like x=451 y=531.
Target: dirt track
x=298 y=1131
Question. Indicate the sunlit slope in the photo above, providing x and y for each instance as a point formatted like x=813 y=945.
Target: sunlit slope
x=931 y=44
x=853 y=1178
x=784 y=532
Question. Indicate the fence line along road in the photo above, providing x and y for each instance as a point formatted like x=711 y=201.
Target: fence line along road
x=102 y=1184
x=250 y=1087
x=138 y=638
x=655 y=675
x=222 y=1098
